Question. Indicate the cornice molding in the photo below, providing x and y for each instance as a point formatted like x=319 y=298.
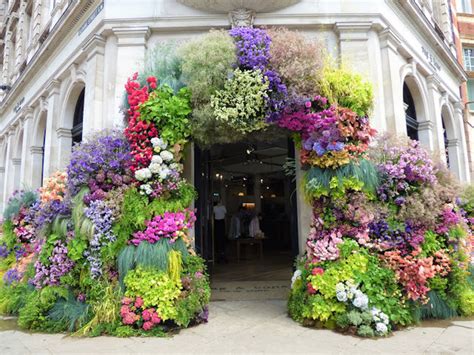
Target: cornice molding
x=94 y=45
x=36 y=150
x=52 y=88
x=132 y=36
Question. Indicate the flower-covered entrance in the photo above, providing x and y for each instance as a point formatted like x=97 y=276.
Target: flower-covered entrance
x=106 y=247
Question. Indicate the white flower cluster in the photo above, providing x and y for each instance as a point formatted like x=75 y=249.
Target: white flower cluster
x=296 y=276
x=162 y=165
x=349 y=292
x=381 y=321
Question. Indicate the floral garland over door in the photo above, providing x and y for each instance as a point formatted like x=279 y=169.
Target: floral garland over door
x=105 y=248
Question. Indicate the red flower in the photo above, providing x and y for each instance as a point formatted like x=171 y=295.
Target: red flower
x=317 y=271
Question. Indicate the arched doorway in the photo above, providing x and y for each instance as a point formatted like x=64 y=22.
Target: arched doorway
x=77 y=124
x=451 y=142
x=410 y=113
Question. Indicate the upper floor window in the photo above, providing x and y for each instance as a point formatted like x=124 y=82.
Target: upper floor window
x=469 y=59
x=464 y=6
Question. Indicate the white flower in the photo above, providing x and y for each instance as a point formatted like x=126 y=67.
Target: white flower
x=384 y=318
x=381 y=328
x=375 y=311
x=155 y=141
x=146 y=188
x=341 y=296
x=296 y=276
x=176 y=167
x=143 y=174
x=155 y=168
x=362 y=301
x=166 y=155
x=340 y=287
x=164 y=172
x=156 y=159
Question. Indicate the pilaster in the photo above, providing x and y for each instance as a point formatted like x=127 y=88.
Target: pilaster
x=131 y=48
x=53 y=146
x=94 y=93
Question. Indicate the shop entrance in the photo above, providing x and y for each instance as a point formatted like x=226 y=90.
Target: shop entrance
x=246 y=226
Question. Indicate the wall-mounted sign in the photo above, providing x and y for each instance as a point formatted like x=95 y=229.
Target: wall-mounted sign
x=18 y=105
x=431 y=59
x=91 y=17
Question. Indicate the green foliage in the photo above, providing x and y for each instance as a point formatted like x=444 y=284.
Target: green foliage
x=240 y=105
x=105 y=304
x=355 y=175
x=192 y=301
x=354 y=318
x=460 y=292
x=365 y=331
x=9 y=237
x=37 y=305
x=69 y=312
x=347 y=89
x=16 y=202
x=148 y=255
x=297 y=301
x=163 y=62
x=124 y=331
x=47 y=248
x=156 y=289
x=431 y=244
x=175 y=265
x=13 y=297
x=169 y=112
x=207 y=62
x=323 y=309
x=437 y=308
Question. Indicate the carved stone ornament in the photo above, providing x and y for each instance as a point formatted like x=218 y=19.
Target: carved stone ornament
x=241 y=18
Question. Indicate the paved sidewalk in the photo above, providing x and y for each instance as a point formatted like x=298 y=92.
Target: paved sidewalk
x=254 y=327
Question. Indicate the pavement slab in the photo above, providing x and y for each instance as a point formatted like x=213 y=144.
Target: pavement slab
x=253 y=327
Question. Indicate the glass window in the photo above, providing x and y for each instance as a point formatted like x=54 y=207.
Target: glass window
x=469 y=59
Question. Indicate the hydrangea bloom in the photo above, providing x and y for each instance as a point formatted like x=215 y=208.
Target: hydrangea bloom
x=170 y=225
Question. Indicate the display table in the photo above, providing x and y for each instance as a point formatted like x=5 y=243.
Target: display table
x=249 y=241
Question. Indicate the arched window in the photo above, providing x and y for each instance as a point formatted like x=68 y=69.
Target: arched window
x=78 y=119
x=410 y=113
x=446 y=141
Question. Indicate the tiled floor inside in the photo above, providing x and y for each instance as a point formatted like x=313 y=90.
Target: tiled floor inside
x=252 y=278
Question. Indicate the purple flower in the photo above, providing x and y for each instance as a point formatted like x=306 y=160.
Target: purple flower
x=12 y=275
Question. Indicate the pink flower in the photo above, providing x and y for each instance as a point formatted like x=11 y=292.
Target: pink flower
x=155 y=318
x=126 y=300
x=138 y=302
x=318 y=271
x=310 y=288
x=147 y=325
x=307 y=104
x=146 y=314
x=124 y=310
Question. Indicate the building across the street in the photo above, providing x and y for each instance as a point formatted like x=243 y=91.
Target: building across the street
x=64 y=64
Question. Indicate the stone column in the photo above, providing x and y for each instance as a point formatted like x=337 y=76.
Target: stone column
x=392 y=87
x=16 y=183
x=305 y=212
x=357 y=49
x=435 y=139
x=464 y=173
x=54 y=145
x=2 y=180
x=94 y=93
x=36 y=163
x=8 y=168
x=25 y=158
x=131 y=48
x=425 y=134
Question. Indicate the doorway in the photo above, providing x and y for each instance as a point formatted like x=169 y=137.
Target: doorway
x=244 y=185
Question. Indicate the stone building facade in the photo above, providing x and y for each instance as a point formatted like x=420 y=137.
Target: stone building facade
x=63 y=66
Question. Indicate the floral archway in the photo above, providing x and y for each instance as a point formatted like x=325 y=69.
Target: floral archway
x=104 y=248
